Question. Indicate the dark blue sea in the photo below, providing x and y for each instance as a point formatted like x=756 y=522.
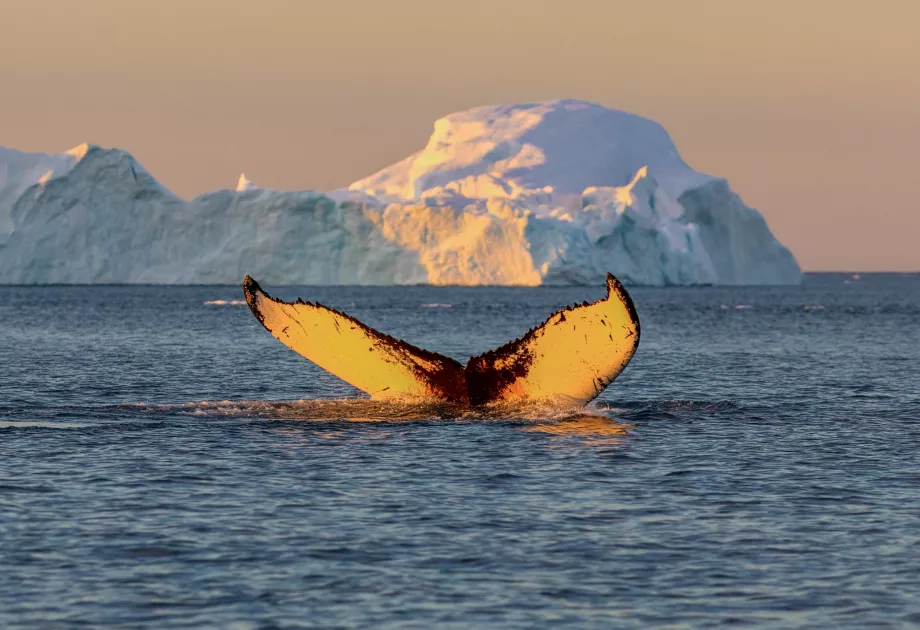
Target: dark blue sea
x=165 y=463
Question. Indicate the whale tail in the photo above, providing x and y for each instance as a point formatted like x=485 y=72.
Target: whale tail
x=568 y=360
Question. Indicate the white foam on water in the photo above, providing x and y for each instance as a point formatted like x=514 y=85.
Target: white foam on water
x=361 y=410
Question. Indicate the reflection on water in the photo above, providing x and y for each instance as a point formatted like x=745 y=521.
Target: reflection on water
x=602 y=428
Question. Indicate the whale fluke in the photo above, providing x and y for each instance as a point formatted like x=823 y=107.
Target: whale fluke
x=568 y=360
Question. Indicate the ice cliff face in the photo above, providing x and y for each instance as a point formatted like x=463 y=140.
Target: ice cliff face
x=548 y=193
x=19 y=171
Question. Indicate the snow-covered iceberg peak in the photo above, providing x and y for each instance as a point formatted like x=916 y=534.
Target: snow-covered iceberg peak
x=531 y=151
x=244 y=184
x=79 y=152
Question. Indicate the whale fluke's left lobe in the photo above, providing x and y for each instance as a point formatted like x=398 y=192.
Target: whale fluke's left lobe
x=383 y=366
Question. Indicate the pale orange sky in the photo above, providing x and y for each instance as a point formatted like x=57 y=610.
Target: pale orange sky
x=810 y=108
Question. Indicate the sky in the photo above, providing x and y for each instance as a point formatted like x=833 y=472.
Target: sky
x=810 y=108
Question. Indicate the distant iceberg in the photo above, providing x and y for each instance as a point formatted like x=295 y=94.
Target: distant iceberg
x=558 y=192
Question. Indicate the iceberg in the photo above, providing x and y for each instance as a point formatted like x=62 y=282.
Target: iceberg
x=558 y=192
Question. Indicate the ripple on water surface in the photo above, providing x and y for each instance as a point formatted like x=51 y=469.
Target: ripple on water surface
x=754 y=466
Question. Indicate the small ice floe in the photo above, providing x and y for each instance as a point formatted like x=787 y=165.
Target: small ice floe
x=437 y=305
x=815 y=307
x=741 y=307
x=225 y=302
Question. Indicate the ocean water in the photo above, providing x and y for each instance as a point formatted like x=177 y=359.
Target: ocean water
x=164 y=462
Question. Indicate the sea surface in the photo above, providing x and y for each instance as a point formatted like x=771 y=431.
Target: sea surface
x=165 y=463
